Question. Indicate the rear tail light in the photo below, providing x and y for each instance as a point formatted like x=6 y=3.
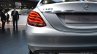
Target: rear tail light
x=34 y=19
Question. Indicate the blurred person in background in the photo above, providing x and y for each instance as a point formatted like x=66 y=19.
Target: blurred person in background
x=15 y=18
x=7 y=17
x=0 y=17
x=3 y=19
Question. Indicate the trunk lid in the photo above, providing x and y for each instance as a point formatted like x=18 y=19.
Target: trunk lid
x=71 y=16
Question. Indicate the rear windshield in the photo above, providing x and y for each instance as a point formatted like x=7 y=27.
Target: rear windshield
x=24 y=11
x=57 y=1
x=92 y=0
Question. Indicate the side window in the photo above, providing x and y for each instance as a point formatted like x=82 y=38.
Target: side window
x=51 y=1
x=48 y=1
x=70 y=0
x=56 y=1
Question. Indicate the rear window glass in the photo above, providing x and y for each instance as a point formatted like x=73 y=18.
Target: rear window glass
x=92 y=0
x=24 y=11
x=57 y=1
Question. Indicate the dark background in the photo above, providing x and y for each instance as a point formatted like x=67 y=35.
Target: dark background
x=14 y=42
x=8 y=4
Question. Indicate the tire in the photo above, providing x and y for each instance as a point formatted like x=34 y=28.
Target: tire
x=49 y=53
x=30 y=52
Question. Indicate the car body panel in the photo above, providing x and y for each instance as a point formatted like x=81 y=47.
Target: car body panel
x=58 y=36
x=67 y=6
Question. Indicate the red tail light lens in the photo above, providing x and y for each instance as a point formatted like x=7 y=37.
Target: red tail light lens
x=34 y=19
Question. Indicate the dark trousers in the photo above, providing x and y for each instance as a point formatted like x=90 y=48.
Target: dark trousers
x=7 y=21
x=15 y=24
x=3 y=25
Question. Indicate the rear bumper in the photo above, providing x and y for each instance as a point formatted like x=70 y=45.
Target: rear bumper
x=68 y=43
x=63 y=49
x=48 y=39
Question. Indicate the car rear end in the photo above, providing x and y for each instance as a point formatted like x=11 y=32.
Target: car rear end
x=63 y=27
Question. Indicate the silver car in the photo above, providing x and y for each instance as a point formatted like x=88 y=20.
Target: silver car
x=60 y=26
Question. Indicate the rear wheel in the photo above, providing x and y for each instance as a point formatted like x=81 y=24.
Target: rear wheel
x=48 y=53
x=30 y=52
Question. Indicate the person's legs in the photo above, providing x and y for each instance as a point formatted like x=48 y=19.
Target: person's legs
x=3 y=25
x=7 y=21
x=14 y=24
